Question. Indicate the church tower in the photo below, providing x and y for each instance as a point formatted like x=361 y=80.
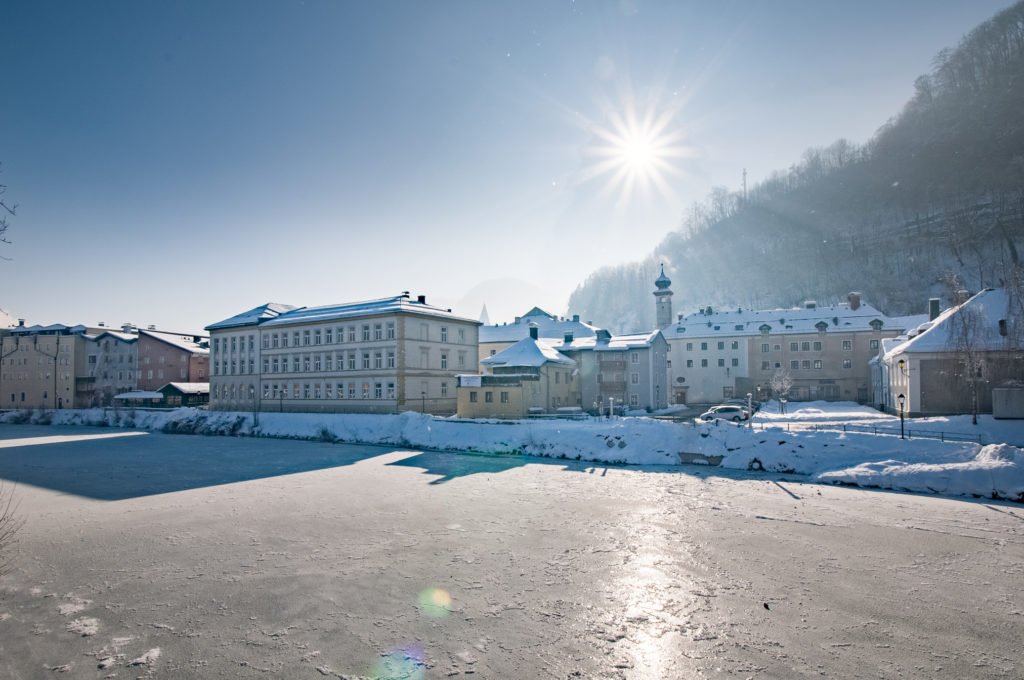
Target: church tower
x=663 y=299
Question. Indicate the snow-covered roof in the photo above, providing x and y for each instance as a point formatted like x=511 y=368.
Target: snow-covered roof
x=742 y=322
x=118 y=335
x=196 y=344
x=548 y=326
x=905 y=323
x=189 y=388
x=294 y=315
x=528 y=352
x=990 y=306
x=606 y=343
x=271 y=310
x=55 y=328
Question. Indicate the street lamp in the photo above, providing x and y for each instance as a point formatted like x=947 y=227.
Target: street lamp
x=901 y=400
x=750 y=410
x=423 y=397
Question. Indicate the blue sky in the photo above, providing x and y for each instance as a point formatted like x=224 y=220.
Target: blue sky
x=176 y=163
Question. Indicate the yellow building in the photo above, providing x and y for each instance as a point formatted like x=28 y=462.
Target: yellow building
x=527 y=378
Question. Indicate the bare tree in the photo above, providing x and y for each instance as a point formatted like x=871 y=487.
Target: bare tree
x=10 y=523
x=967 y=342
x=780 y=383
x=6 y=210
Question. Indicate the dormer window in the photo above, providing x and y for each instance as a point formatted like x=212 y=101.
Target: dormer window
x=876 y=325
x=765 y=328
x=821 y=326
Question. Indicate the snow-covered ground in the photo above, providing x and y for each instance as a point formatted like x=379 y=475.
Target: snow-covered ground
x=993 y=469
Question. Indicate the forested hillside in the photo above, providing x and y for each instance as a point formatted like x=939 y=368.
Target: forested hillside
x=938 y=191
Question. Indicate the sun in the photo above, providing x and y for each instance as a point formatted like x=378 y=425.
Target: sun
x=636 y=151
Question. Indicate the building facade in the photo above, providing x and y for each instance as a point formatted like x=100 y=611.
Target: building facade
x=826 y=350
x=44 y=367
x=528 y=378
x=164 y=357
x=497 y=337
x=381 y=356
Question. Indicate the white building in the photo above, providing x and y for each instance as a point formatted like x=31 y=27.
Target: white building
x=380 y=356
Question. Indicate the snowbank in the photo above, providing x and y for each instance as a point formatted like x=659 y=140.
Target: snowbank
x=830 y=456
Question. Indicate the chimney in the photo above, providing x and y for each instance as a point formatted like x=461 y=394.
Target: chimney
x=854 y=300
x=534 y=330
x=101 y=324
x=933 y=308
x=422 y=299
x=576 y=318
x=126 y=327
x=810 y=304
x=21 y=323
x=151 y=327
x=518 y=319
x=405 y=293
x=568 y=338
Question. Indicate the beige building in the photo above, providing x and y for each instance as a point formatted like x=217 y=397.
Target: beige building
x=528 y=378
x=826 y=350
x=381 y=356
x=45 y=367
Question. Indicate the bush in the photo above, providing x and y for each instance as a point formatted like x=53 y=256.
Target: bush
x=10 y=523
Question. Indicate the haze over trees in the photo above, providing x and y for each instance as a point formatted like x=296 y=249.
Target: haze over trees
x=938 y=190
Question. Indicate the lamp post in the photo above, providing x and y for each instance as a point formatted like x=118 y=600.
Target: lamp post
x=423 y=397
x=750 y=410
x=901 y=400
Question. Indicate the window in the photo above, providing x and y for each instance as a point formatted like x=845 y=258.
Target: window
x=305 y=391
x=444 y=333
x=329 y=336
x=391 y=358
x=366 y=332
x=873 y=343
x=806 y=363
x=462 y=335
x=689 y=347
x=266 y=365
x=817 y=364
x=504 y=397
x=284 y=339
x=351 y=334
x=378 y=360
x=817 y=345
x=703 y=346
x=444 y=360
x=703 y=363
x=794 y=364
x=444 y=389
x=689 y=363
x=352 y=388
x=378 y=331
x=316 y=390
x=558 y=377
x=295 y=339
x=634 y=400
x=390 y=330
x=266 y=342
x=351 y=361
x=765 y=365
x=489 y=397
x=316 y=337
x=378 y=391
x=805 y=347
x=727 y=392
x=305 y=363
x=735 y=344
x=794 y=346
x=305 y=337
x=721 y=344
x=328 y=391
x=366 y=390
x=847 y=345
x=847 y=363
x=735 y=362
x=778 y=348
x=473 y=397
x=366 y=361
x=391 y=389
x=634 y=357
x=765 y=347
x=721 y=363
x=340 y=387
x=317 y=360
x=329 y=361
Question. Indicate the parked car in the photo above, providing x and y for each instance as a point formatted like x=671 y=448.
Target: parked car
x=725 y=412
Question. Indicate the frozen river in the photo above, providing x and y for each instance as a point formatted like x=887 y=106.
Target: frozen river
x=186 y=556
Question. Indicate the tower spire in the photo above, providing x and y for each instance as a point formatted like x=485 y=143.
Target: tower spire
x=663 y=299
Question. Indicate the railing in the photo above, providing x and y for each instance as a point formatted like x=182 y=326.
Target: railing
x=909 y=433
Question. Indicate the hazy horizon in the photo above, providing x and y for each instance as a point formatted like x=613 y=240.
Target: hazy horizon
x=175 y=165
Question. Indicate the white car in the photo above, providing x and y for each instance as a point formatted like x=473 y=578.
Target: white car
x=725 y=412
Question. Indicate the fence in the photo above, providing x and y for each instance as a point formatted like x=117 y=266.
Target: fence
x=909 y=433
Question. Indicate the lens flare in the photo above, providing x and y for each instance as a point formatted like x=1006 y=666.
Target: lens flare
x=435 y=602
